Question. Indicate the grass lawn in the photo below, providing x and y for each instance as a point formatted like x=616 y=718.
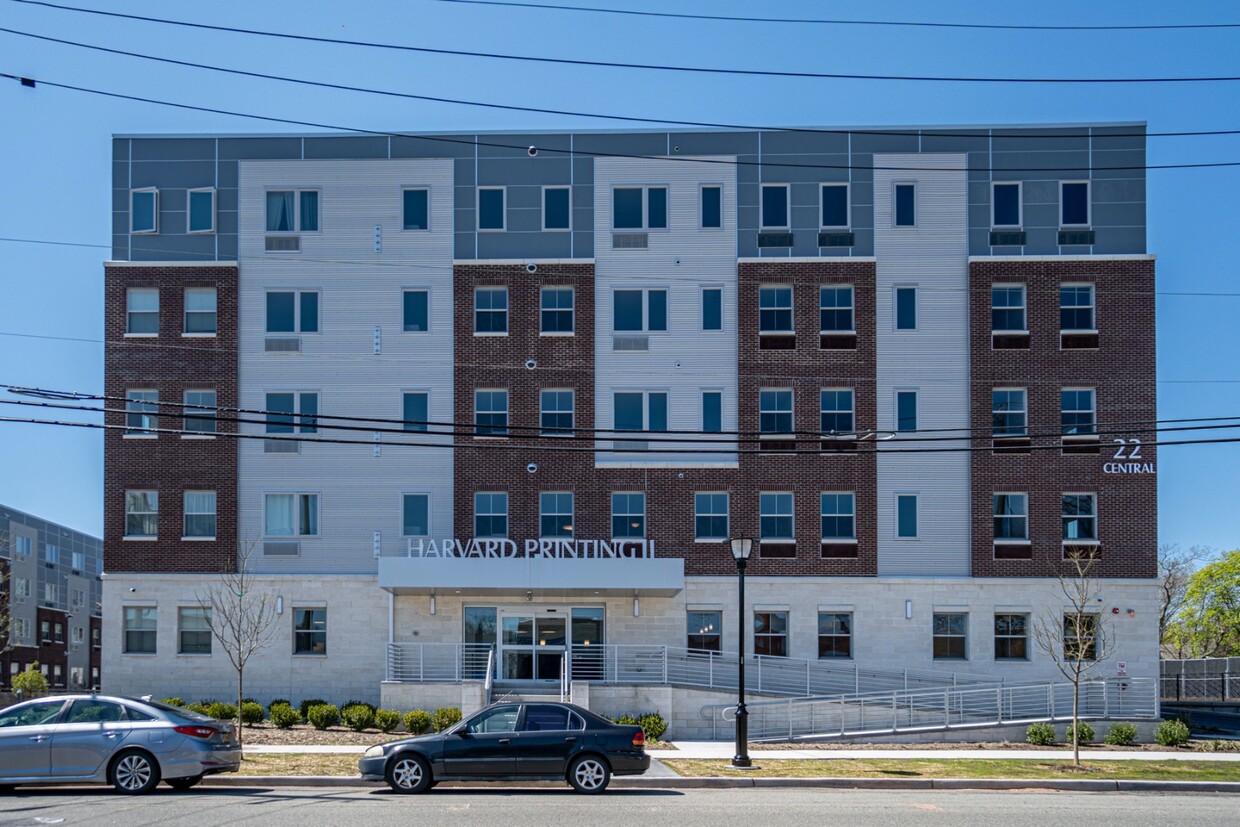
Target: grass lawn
x=281 y=763
x=964 y=768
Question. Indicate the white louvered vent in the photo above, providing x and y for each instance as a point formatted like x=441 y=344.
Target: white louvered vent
x=282 y=243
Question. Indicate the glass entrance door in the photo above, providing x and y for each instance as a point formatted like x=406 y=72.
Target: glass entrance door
x=534 y=642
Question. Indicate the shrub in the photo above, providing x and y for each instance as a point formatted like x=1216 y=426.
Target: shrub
x=1121 y=734
x=357 y=717
x=625 y=720
x=199 y=707
x=387 y=719
x=348 y=704
x=1042 y=735
x=445 y=717
x=323 y=716
x=417 y=721
x=284 y=716
x=1171 y=733
x=172 y=701
x=279 y=702
x=30 y=683
x=251 y=713
x=1086 y=734
x=222 y=711
x=653 y=725
x=304 y=709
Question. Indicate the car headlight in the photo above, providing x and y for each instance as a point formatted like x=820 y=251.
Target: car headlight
x=373 y=752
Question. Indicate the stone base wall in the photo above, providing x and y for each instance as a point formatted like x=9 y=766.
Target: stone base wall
x=469 y=696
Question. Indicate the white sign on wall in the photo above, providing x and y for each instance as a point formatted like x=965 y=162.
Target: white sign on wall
x=558 y=548
x=1127 y=459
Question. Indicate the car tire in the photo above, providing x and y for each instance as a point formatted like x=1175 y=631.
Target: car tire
x=7 y=789
x=408 y=773
x=184 y=783
x=134 y=772
x=589 y=774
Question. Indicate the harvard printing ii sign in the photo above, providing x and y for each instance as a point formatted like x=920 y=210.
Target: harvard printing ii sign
x=1128 y=450
x=557 y=549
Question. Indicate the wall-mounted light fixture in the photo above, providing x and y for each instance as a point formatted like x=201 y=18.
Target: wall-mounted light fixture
x=908 y=610
x=637 y=606
x=279 y=604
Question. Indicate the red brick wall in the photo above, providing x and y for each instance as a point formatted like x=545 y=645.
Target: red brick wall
x=1121 y=370
x=169 y=464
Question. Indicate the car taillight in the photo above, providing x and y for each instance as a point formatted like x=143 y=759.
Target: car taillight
x=196 y=731
x=639 y=739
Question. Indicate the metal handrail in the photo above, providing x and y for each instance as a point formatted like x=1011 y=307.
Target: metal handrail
x=490 y=681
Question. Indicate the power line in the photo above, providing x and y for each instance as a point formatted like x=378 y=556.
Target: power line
x=708 y=70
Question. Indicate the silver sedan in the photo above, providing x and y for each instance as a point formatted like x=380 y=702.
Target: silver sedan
x=129 y=743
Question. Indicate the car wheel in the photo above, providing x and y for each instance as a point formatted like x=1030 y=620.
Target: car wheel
x=408 y=774
x=7 y=789
x=184 y=783
x=589 y=774
x=134 y=772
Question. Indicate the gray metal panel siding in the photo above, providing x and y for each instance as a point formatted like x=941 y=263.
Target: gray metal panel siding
x=373 y=146
x=360 y=289
x=934 y=360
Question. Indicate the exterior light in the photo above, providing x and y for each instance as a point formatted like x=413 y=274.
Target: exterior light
x=742 y=547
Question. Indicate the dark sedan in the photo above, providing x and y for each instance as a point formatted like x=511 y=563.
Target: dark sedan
x=514 y=741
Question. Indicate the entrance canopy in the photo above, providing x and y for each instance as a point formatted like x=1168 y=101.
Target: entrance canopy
x=640 y=576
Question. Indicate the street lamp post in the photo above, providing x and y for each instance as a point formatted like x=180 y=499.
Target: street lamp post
x=741 y=549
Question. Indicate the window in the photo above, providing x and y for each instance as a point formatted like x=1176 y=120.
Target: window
x=835 y=206
x=200 y=311
x=712 y=412
x=491 y=310
x=628 y=515
x=1080 y=636
x=839 y=516
x=775 y=517
x=557 y=208
x=491 y=212
x=415 y=410
x=144 y=211
x=1011 y=517
x=775 y=206
x=556 y=412
x=142 y=311
x=1074 y=203
x=704 y=631
x=906 y=308
x=712 y=309
x=51 y=592
x=289 y=410
x=309 y=631
x=834 y=634
x=906 y=516
x=775 y=411
x=547 y=719
x=415 y=515
x=495 y=719
x=201 y=218
x=639 y=311
x=710 y=516
x=556 y=310
x=293 y=312
x=1076 y=307
x=775 y=309
x=1080 y=518
x=415 y=203
x=1005 y=204
x=1007 y=308
x=836 y=411
x=770 y=634
x=139 y=630
x=639 y=208
x=835 y=308
x=555 y=514
x=1076 y=411
x=491 y=514
x=193 y=630
x=21 y=545
x=293 y=211
x=1011 y=637
x=141 y=412
x=77 y=597
x=491 y=413
x=199 y=514
x=712 y=207
x=291 y=515
x=906 y=205
x=141 y=513
x=906 y=411
x=21 y=587
x=77 y=635
x=416 y=311
x=199 y=412
x=640 y=411
x=1008 y=414
x=78 y=563
x=950 y=635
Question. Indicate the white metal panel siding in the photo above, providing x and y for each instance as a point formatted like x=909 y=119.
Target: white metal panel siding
x=360 y=289
x=683 y=259
x=934 y=360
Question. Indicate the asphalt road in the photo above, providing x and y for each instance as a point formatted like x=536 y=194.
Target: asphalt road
x=482 y=807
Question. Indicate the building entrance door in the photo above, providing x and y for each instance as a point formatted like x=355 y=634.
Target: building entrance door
x=535 y=640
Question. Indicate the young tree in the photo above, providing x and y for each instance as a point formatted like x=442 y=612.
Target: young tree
x=1208 y=622
x=242 y=618
x=1175 y=569
x=1075 y=639
x=6 y=596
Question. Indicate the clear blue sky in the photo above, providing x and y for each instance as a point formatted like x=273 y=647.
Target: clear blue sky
x=55 y=148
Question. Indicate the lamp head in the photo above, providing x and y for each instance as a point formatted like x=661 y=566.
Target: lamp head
x=742 y=547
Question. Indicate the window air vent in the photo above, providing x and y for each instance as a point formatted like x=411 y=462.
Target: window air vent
x=630 y=343
x=630 y=241
x=1013 y=551
x=778 y=445
x=774 y=240
x=839 y=551
x=1009 y=341
x=283 y=243
x=1078 y=341
x=838 y=445
x=1007 y=239
x=281 y=446
x=283 y=345
x=836 y=240
x=281 y=549
x=777 y=342
x=1070 y=237
x=766 y=548
x=837 y=341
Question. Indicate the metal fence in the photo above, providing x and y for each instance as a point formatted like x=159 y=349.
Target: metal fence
x=1200 y=679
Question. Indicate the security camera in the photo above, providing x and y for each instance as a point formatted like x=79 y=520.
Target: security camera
x=133 y=589
x=532 y=467
x=530 y=364
x=531 y=267
x=678 y=261
x=533 y=150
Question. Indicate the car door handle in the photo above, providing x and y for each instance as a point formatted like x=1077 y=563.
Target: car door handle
x=110 y=734
x=37 y=738
x=505 y=740
x=571 y=740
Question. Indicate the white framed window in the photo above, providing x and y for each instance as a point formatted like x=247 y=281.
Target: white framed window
x=144 y=211
x=77 y=635
x=640 y=411
x=1077 y=413
x=1074 y=207
x=415 y=410
x=834 y=635
x=492 y=209
x=1076 y=308
x=557 y=209
x=905 y=299
x=770 y=634
x=712 y=309
x=141 y=412
x=78 y=562
x=1080 y=518
x=1011 y=512
x=200 y=311
x=1080 y=636
x=1011 y=636
x=1007 y=308
x=193 y=630
x=1005 y=204
x=291 y=514
x=833 y=207
x=712 y=411
x=21 y=545
x=906 y=516
x=138 y=625
x=199 y=514
x=199 y=419
x=491 y=311
x=704 y=630
x=835 y=309
x=775 y=412
x=289 y=411
x=775 y=517
x=142 y=311
x=491 y=514
x=775 y=309
x=951 y=636
x=836 y=408
x=415 y=515
x=21 y=587
x=293 y=311
x=555 y=412
x=904 y=208
x=141 y=513
x=310 y=631
x=628 y=515
x=839 y=516
x=555 y=514
x=200 y=211
x=906 y=411
x=415 y=311
x=292 y=211
x=415 y=208
x=77 y=598
x=51 y=554
x=639 y=208
x=555 y=311
x=775 y=209
x=710 y=516
x=712 y=206
x=1009 y=415
x=639 y=311
x=491 y=412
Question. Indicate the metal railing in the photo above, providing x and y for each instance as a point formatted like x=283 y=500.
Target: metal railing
x=1200 y=679
x=940 y=709
x=490 y=679
x=439 y=662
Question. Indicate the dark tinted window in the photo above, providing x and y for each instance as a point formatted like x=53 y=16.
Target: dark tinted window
x=712 y=207
x=415 y=413
x=545 y=718
x=712 y=309
x=1007 y=205
x=834 y=205
x=309 y=312
x=555 y=208
x=626 y=205
x=905 y=211
x=906 y=410
x=416 y=311
x=94 y=712
x=627 y=313
x=310 y=211
x=712 y=411
x=775 y=206
x=1074 y=200
x=280 y=312
x=498 y=719
x=656 y=208
x=417 y=215
x=491 y=209
x=657 y=310
x=906 y=308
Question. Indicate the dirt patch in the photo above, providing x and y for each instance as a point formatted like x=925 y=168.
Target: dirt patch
x=308 y=736
x=957 y=745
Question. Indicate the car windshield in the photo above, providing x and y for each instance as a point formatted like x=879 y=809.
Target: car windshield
x=176 y=710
